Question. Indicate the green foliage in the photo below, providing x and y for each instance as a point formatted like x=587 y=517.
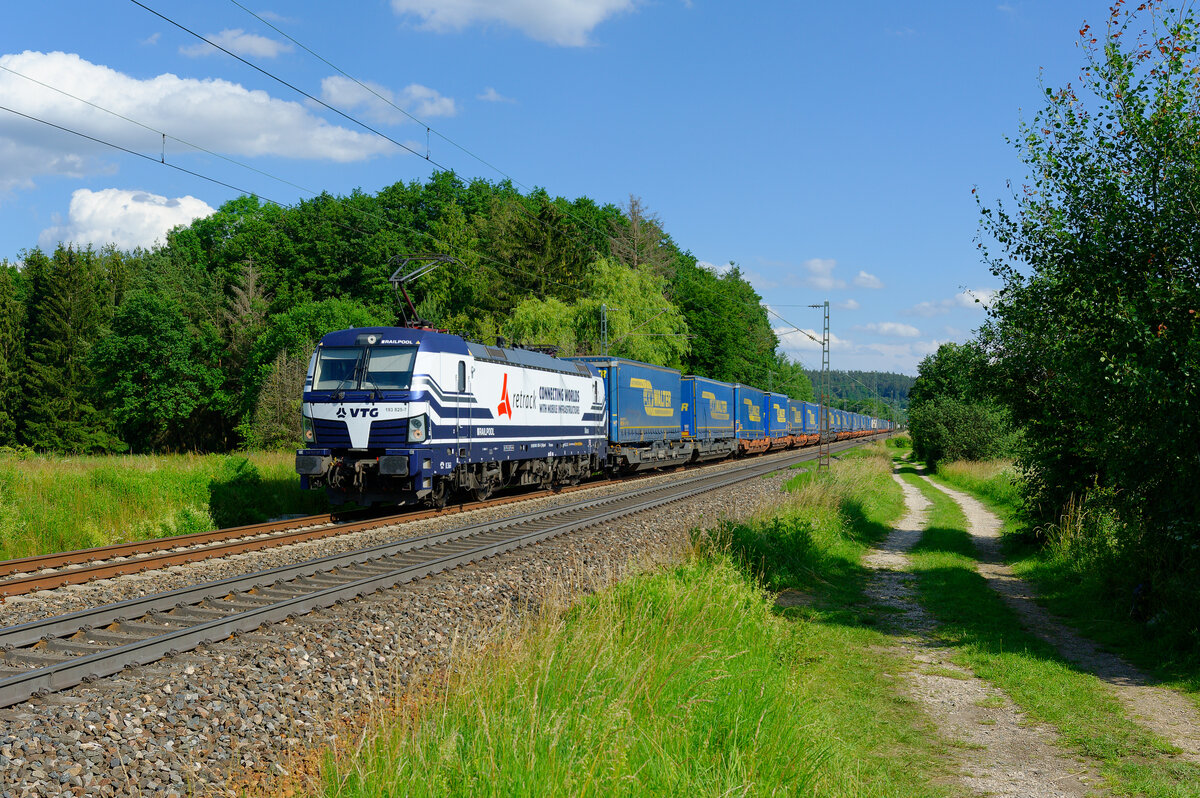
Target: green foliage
x=63 y=318
x=190 y=336
x=952 y=416
x=12 y=349
x=1096 y=333
x=158 y=376
x=644 y=325
x=947 y=429
x=733 y=340
x=955 y=371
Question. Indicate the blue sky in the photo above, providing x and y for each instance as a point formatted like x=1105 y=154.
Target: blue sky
x=828 y=149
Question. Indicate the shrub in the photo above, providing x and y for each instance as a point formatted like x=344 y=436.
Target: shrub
x=945 y=429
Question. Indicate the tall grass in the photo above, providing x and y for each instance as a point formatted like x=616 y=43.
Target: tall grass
x=684 y=682
x=53 y=503
x=996 y=481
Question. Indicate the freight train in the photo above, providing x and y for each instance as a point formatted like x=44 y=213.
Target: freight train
x=400 y=415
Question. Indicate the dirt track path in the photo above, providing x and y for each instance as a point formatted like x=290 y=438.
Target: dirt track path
x=1165 y=712
x=998 y=750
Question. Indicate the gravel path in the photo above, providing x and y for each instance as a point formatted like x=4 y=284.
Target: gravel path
x=247 y=713
x=998 y=750
x=1165 y=712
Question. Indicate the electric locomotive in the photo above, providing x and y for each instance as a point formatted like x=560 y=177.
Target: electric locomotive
x=405 y=415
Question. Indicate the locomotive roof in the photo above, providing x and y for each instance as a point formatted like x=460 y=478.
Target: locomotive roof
x=433 y=340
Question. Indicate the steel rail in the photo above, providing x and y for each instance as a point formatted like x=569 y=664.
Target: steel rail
x=250 y=613
x=81 y=566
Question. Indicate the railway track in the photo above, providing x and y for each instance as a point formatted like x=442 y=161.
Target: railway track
x=49 y=571
x=57 y=653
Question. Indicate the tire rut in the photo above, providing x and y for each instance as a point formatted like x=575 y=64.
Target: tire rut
x=1161 y=710
x=998 y=750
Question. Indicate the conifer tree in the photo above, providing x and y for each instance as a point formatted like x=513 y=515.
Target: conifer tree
x=64 y=319
x=11 y=350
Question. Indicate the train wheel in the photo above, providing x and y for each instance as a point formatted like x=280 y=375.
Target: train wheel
x=439 y=494
x=483 y=492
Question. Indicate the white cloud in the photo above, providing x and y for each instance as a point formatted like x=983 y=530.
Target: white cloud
x=490 y=95
x=849 y=304
x=201 y=109
x=820 y=274
x=126 y=218
x=418 y=100
x=972 y=298
x=865 y=280
x=236 y=40
x=563 y=22
x=152 y=38
x=891 y=328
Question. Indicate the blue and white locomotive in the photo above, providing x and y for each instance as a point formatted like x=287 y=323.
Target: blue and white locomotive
x=406 y=415
x=396 y=414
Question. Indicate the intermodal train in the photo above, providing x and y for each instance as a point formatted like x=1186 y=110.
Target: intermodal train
x=402 y=415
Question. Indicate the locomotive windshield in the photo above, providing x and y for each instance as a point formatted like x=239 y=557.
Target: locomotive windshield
x=390 y=368
x=340 y=368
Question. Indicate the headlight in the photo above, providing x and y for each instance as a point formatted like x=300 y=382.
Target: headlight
x=306 y=424
x=418 y=427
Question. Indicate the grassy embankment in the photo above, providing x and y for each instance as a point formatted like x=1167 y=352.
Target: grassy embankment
x=989 y=638
x=54 y=503
x=690 y=681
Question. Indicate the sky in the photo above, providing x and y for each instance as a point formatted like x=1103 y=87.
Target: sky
x=827 y=149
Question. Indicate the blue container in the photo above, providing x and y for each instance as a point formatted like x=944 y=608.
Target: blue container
x=643 y=400
x=706 y=408
x=751 y=422
x=795 y=417
x=812 y=418
x=777 y=415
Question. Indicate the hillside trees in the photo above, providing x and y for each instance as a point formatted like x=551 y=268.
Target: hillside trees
x=1095 y=333
x=200 y=343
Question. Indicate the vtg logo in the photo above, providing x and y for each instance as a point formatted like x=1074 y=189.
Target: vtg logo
x=359 y=412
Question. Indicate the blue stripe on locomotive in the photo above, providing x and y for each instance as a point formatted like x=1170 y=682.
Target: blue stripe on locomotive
x=751 y=423
x=777 y=415
x=643 y=400
x=706 y=417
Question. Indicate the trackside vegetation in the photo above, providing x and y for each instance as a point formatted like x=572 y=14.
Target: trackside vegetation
x=51 y=503
x=689 y=681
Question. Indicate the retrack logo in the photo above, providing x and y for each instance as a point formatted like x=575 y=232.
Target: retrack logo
x=504 y=408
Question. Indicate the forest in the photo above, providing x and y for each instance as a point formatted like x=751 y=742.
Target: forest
x=201 y=344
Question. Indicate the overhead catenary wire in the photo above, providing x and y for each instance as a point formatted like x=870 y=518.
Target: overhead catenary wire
x=259 y=196
x=335 y=110
x=426 y=157
x=291 y=86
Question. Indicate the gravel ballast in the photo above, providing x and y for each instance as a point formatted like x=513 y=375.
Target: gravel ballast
x=248 y=711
